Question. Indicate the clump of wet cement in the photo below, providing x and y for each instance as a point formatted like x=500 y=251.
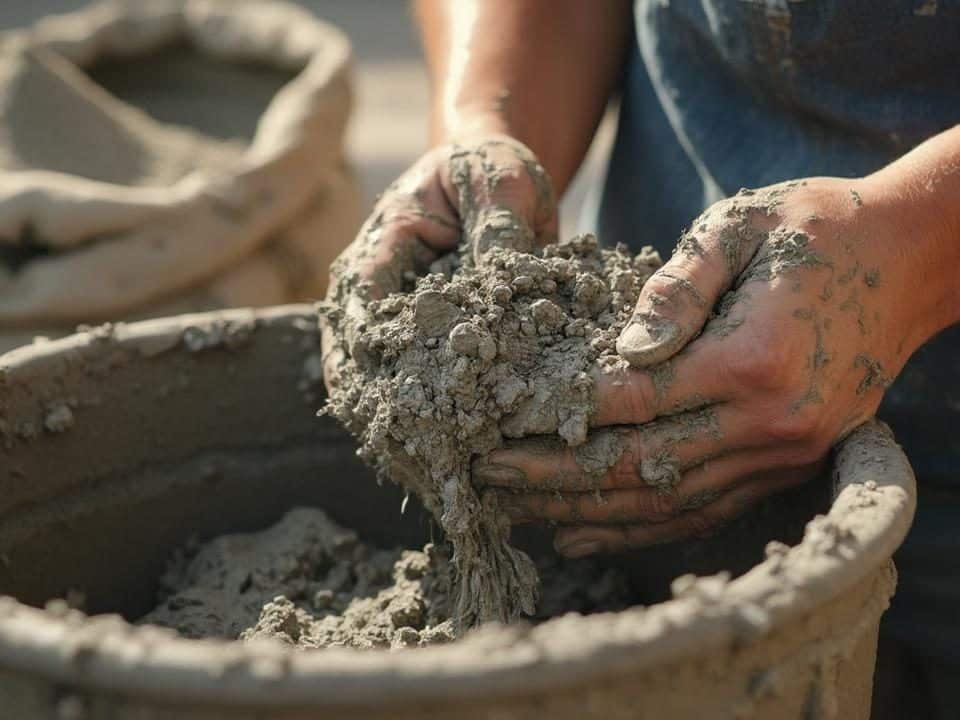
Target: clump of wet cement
x=476 y=352
x=308 y=582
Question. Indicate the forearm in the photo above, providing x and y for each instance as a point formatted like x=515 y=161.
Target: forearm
x=538 y=70
x=921 y=191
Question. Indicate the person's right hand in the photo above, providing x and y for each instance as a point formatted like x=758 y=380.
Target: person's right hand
x=489 y=190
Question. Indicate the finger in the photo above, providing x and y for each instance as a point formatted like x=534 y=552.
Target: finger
x=695 y=378
x=400 y=249
x=413 y=224
x=701 y=522
x=332 y=356
x=653 y=454
x=503 y=195
x=612 y=507
x=708 y=480
x=698 y=486
x=398 y=241
x=677 y=300
x=382 y=260
x=410 y=228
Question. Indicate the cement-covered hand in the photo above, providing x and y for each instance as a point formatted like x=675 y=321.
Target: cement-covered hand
x=771 y=333
x=455 y=191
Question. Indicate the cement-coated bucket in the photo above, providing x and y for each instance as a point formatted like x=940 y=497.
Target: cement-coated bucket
x=120 y=443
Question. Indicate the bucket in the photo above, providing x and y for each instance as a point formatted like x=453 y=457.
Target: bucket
x=121 y=442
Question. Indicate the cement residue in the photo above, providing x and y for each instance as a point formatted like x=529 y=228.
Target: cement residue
x=874 y=376
x=785 y=249
x=309 y=582
x=498 y=347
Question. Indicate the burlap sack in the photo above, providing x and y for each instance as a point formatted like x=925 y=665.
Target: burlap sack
x=109 y=213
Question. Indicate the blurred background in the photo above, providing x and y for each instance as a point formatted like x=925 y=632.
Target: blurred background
x=388 y=129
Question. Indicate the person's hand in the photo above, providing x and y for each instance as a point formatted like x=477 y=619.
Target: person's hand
x=771 y=333
x=488 y=190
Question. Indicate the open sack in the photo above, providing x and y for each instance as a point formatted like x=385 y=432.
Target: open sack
x=149 y=200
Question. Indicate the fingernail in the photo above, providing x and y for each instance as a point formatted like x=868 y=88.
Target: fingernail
x=643 y=337
x=579 y=548
x=486 y=473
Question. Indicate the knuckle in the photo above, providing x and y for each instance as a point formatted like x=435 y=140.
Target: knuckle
x=662 y=505
x=631 y=536
x=760 y=364
x=754 y=369
x=637 y=441
x=402 y=214
x=511 y=178
x=639 y=506
x=808 y=451
x=639 y=397
x=676 y=287
x=666 y=280
x=792 y=428
x=703 y=524
x=803 y=428
x=624 y=473
x=716 y=214
x=401 y=226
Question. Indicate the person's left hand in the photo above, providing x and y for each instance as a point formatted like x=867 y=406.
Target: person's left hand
x=771 y=333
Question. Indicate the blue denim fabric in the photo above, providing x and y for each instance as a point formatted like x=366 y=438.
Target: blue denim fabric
x=722 y=94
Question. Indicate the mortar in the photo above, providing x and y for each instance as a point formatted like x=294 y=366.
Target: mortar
x=121 y=442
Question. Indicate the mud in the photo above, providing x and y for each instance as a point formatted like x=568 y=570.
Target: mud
x=483 y=348
x=308 y=582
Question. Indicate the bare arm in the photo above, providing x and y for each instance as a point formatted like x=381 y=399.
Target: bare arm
x=922 y=191
x=540 y=71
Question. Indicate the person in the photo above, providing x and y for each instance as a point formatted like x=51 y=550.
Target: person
x=788 y=314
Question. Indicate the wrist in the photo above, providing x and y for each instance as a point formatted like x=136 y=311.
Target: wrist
x=916 y=225
x=463 y=123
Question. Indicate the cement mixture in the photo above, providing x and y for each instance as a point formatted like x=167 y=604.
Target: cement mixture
x=311 y=583
x=493 y=343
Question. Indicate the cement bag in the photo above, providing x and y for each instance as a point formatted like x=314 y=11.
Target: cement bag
x=107 y=212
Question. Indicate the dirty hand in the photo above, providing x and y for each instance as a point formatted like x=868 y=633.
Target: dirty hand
x=489 y=189
x=770 y=334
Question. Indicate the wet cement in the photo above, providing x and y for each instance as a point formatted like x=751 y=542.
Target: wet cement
x=482 y=349
x=308 y=582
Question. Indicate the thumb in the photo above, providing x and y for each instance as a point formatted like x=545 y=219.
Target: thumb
x=676 y=301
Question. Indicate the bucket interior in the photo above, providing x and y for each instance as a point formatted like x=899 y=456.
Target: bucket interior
x=182 y=445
